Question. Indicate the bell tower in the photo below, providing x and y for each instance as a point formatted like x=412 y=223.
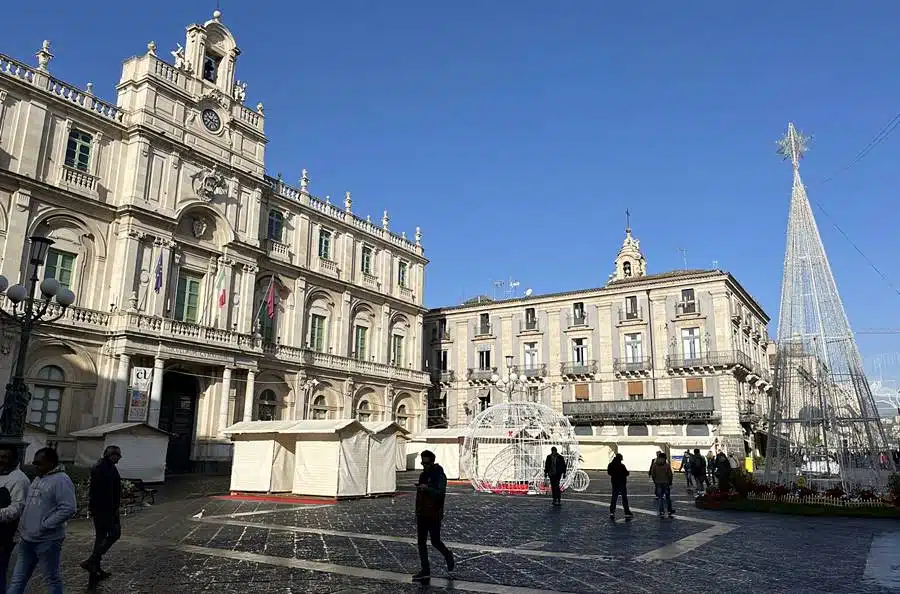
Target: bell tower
x=630 y=262
x=210 y=54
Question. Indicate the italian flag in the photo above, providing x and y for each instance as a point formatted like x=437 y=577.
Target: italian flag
x=220 y=287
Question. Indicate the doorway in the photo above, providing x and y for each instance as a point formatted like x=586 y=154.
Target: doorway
x=177 y=413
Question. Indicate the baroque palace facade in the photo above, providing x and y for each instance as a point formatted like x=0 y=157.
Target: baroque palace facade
x=249 y=298
x=647 y=362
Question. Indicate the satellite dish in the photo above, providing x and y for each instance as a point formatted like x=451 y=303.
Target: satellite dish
x=528 y=292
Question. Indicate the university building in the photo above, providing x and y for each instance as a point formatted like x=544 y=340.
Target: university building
x=249 y=298
x=647 y=362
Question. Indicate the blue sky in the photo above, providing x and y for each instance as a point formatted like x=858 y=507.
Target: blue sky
x=516 y=134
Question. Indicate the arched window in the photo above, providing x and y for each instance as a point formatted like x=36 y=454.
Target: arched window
x=626 y=269
x=320 y=408
x=364 y=412
x=43 y=410
x=267 y=406
x=403 y=416
x=276 y=225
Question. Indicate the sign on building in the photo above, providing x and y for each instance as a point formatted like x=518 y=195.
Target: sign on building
x=139 y=394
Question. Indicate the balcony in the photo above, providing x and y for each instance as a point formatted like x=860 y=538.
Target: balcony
x=78 y=180
x=440 y=335
x=480 y=375
x=442 y=377
x=575 y=321
x=578 y=369
x=687 y=308
x=348 y=365
x=483 y=329
x=628 y=411
x=406 y=292
x=370 y=281
x=329 y=267
x=632 y=366
x=531 y=370
x=710 y=359
x=278 y=250
x=631 y=315
x=529 y=325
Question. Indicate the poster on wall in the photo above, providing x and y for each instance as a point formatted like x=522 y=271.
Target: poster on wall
x=139 y=394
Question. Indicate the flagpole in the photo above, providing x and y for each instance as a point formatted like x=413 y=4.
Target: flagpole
x=263 y=301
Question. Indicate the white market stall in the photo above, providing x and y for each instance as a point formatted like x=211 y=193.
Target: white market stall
x=384 y=443
x=331 y=458
x=143 y=449
x=263 y=456
x=402 y=444
x=446 y=445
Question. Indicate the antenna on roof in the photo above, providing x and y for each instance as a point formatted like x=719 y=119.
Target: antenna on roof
x=528 y=292
x=683 y=252
x=716 y=264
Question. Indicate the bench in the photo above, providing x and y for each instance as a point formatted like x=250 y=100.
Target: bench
x=141 y=494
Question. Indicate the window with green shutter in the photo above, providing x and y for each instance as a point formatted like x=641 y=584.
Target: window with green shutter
x=78 y=150
x=187 y=298
x=360 y=342
x=61 y=266
x=317 y=333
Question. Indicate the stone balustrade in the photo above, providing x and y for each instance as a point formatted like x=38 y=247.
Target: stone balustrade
x=63 y=90
x=136 y=323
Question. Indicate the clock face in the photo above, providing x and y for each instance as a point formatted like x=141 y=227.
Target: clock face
x=211 y=120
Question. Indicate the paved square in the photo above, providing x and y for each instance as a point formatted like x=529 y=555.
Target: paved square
x=502 y=544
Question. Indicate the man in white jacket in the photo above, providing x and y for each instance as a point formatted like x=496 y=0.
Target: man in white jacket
x=42 y=527
x=13 y=491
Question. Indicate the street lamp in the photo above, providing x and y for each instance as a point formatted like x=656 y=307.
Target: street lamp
x=511 y=381
x=27 y=311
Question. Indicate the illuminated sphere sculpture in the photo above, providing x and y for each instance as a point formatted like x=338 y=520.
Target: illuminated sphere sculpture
x=506 y=445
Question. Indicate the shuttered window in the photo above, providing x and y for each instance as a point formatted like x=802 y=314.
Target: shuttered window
x=635 y=390
x=582 y=392
x=694 y=387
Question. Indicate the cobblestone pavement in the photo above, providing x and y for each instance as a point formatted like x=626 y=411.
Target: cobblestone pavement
x=502 y=544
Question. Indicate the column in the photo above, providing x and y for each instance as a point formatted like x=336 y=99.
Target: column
x=247 y=304
x=298 y=332
x=301 y=390
x=156 y=392
x=118 y=412
x=415 y=357
x=128 y=248
x=223 y=314
x=224 y=397
x=249 y=395
x=343 y=345
x=383 y=351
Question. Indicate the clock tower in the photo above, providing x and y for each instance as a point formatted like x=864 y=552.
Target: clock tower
x=187 y=111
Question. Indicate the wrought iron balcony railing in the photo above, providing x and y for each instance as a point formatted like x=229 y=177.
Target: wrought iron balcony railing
x=439 y=334
x=529 y=325
x=573 y=320
x=531 y=370
x=708 y=359
x=662 y=409
x=687 y=308
x=481 y=375
x=444 y=377
x=632 y=365
x=483 y=329
x=631 y=315
x=578 y=368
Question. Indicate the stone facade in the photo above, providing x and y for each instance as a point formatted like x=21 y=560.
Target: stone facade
x=248 y=297
x=668 y=360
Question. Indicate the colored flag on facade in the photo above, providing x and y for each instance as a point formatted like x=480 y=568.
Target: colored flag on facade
x=270 y=300
x=220 y=287
x=158 y=282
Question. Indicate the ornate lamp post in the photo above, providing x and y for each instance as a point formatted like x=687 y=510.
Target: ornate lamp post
x=511 y=382
x=27 y=312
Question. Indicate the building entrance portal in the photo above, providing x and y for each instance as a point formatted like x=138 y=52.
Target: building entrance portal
x=178 y=411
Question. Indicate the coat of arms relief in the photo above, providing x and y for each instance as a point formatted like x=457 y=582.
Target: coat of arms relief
x=209 y=183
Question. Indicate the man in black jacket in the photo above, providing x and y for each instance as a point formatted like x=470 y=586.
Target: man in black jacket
x=554 y=469
x=103 y=503
x=431 y=490
x=618 y=476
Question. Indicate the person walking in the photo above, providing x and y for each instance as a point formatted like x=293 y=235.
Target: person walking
x=554 y=469
x=42 y=527
x=661 y=473
x=13 y=491
x=431 y=490
x=686 y=469
x=618 y=476
x=103 y=503
x=723 y=472
x=698 y=468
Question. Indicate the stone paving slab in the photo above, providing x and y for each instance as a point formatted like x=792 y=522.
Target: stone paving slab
x=503 y=545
